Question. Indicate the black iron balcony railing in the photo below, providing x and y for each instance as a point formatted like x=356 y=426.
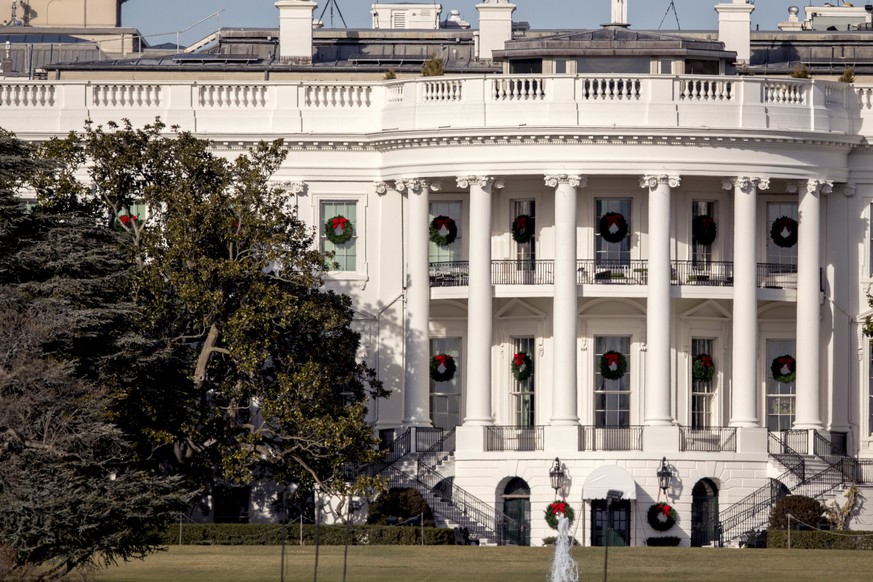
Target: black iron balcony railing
x=703 y=274
x=606 y=272
x=777 y=276
x=593 y=438
x=450 y=274
x=523 y=272
x=514 y=438
x=708 y=440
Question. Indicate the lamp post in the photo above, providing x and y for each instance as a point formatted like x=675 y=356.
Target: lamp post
x=556 y=476
x=611 y=495
x=665 y=476
x=290 y=490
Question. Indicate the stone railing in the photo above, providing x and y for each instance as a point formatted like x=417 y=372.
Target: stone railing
x=694 y=103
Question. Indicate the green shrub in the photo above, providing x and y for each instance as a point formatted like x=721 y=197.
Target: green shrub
x=800 y=72
x=397 y=505
x=232 y=534
x=663 y=541
x=433 y=67
x=848 y=75
x=821 y=540
x=801 y=508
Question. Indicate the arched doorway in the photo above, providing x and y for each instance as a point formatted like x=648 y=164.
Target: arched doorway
x=704 y=513
x=516 y=506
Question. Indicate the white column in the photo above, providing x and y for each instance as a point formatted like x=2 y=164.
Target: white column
x=479 y=311
x=658 y=388
x=744 y=342
x=564 y=313
x=808 y=336
x=838 y=331
x=416 y=396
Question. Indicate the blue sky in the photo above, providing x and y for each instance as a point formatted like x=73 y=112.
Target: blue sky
x=153 y=17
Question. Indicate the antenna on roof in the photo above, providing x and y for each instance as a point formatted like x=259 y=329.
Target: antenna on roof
x=331 y=4
x=672 y=7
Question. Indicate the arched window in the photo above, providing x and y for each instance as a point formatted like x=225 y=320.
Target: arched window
x=516 y=506
x=704 y=513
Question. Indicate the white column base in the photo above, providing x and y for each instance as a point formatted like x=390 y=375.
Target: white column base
x=563 y=439
x=661 y=439
x=752 y=440
x=469 y=439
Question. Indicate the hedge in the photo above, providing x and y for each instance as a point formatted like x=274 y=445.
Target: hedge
x=232 y=534
x=821 y=540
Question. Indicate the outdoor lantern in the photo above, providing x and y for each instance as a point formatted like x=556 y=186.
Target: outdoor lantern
x=665 y=475
x=556 y=475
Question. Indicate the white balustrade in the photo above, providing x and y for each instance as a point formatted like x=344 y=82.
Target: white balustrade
x=442 y=90
x=865 y=97
x=611 y=89
x=27 y=95
x=785 y=92
x=126 y=95
x=395 y=93
x=221 y=96
x=706 y=89
x=338 y=96
x=835 y=96
x=518 y=88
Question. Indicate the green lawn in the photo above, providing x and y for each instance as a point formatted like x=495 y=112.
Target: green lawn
x=488 y=564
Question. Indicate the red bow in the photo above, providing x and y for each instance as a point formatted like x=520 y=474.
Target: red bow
x=518 y=359
x=559 y=507
x=785 y=361
x=611 y=359
x=442 y=223
x=613 y=218
x=340 y=222
x=665 y=509
x=521 y=223
x=706 y=361
x=125 y=220
x=441 y=359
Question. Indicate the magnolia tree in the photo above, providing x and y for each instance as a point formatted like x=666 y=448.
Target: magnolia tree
x=257 y=374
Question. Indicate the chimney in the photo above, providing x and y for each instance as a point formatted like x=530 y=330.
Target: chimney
x=295 y=30
x=495 y=26
x=735 y=28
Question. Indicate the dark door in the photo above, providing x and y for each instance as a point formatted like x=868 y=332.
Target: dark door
x=516 y=506
x=704 y=513
x=619 y=525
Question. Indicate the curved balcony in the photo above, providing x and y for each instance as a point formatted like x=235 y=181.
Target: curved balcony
x=600 y=272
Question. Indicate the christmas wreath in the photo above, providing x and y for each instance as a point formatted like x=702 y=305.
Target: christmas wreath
x=703 y=229
x=442 y=368
x=522 y=366
x=702 y=367
x=613 y=227
x=338 y=229
x=443 y=231
x=613 y=365
x=661 y=516
x=784 y=232
x=126 y=220
x=523 y=228
x=556 y=508
x=784 y=369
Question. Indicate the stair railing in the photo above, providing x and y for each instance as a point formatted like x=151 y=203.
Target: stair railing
x=824 y=450
x=787 y=456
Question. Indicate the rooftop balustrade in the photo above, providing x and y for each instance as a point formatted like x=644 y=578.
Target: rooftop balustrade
x=473 y=102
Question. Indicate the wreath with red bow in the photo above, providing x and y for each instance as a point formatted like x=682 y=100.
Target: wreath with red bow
x=443 y=231
x=522 y=228
x=784 y=369
x=442 y=368
x=522 y=366
x=703 y=368
x=613 y=365
x=661 y=516
x=126 y=220
x=703 y=229
x=557 y=508
x=338 y=229
x=783 y=231
x=613 y=227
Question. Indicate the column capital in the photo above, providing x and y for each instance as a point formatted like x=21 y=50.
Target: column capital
x=416 y=185
x=848 y=190
x=381 y=187
x=652 y=181
x=293 y=187
x=745 y=183
x=812 y=186
x=481 y=181
x=574 y=180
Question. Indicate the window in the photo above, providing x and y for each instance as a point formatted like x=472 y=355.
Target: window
x=698 y=67
x=701 y=254
x=702 y=392
x=612 y=253
x=776 y=254
x=780 y=395
x=452 y=252
x=526 y=67
x=445 y=397
x=345 y=254
x=523 y=390
x=560 y=66
x=137 y=209
x=28 y=204
x=611 y=397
